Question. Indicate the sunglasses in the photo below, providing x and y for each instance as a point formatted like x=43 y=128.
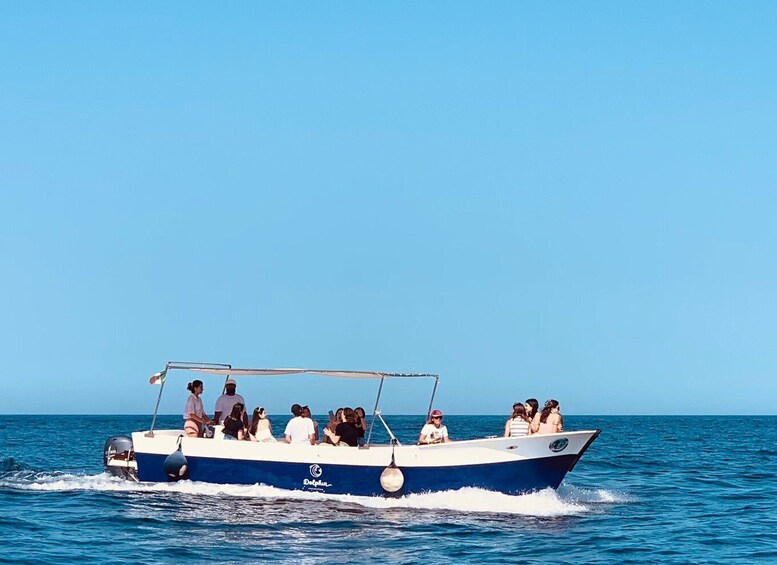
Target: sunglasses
x=436 y=417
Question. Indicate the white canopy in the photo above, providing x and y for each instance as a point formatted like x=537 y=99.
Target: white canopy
x=227 y=371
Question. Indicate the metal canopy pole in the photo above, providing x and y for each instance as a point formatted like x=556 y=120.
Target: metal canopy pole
x=158 y=398
x=431 y=400
x=374 y=411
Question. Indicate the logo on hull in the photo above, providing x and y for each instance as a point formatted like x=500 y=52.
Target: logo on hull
x=558 y=445
x=316 y=471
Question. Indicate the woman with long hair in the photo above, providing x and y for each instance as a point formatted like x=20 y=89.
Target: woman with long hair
x=532 y=407
x=519 y=423
x=307 y=414
x=233 y=424
x=260 y=428
x=434 y=431
x=334 y=421
x=194 y=417
x=361 y=420
x=550 y=419
x=345 y=433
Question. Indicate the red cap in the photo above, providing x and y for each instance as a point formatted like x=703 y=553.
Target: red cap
x=436 y=413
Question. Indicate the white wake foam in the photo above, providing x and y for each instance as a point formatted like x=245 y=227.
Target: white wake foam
x=568 y=500
x=593 y=496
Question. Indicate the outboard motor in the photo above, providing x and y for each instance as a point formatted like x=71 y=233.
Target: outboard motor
x=117 y=447
x=176 y=466
x=119 y=457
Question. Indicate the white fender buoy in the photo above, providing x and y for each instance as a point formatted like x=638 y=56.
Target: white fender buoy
x=392 y=479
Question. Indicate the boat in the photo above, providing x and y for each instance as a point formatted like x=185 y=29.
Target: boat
x=509 y=465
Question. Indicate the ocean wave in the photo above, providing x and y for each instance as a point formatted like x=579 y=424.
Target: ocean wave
x=567 y=501
x=10 y=465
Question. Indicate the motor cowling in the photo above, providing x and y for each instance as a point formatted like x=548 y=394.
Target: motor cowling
x=120 y=446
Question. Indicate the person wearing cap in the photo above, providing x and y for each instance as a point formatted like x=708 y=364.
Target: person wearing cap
x=434 y=431
x=227 y=401
x=299 y=429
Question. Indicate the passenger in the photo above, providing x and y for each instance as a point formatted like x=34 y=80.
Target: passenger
x=334 y=420
x=535 y=416
x=361 y=420
x=519 y=423
x=361 y=423
x=434 y=431
x=532 y=407
x=299 y=429
x=345 y=433
x=306 y=414
x=227 y=400
x=233 y=424
x=550 y=419
x=260 y=429
x=194 y=413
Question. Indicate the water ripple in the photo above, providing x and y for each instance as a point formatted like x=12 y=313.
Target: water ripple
x=669 y=489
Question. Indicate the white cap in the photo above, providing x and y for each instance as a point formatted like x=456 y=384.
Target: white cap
x=230 y=381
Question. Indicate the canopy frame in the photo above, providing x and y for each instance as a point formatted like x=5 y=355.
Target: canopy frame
x=227 y=370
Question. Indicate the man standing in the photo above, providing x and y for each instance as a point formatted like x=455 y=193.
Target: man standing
x=299 y=429
x=227 y=400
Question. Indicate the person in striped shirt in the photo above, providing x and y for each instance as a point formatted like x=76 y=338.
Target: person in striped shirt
x=519 y=422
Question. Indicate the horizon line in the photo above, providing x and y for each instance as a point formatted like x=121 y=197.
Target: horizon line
x=408 y=414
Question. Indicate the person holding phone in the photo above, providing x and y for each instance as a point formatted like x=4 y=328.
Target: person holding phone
x=345 y=433
x=334 y=419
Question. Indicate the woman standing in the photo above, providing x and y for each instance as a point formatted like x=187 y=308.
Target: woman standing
x=519 y=423
x=194 y=417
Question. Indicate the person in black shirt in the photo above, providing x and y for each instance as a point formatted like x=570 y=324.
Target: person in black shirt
x=234 y=427
x=346 y=431
x=361 y=421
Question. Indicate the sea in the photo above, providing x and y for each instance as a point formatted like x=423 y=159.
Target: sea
x=655 y=489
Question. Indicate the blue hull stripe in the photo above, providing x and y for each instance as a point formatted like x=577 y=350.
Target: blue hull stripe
x=513 y=477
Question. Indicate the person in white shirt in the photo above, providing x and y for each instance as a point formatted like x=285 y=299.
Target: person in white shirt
x=299 y=429
x=434 y=431
x=227 y=401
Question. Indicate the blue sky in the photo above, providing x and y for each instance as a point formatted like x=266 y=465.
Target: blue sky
x=568 y=200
